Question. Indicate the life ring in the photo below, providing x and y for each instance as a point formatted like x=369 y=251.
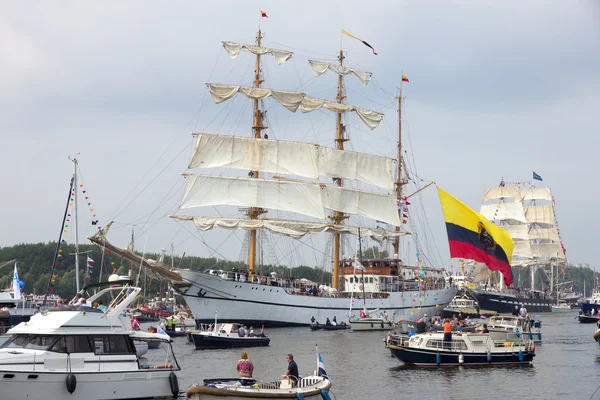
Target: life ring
x=361 y=287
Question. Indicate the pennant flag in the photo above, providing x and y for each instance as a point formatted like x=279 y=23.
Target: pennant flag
x=360 y=40
x=404 y=78
x=90 y=260
x=472 y=236
x=321 y=365
x=537 y=177
x=263 y=14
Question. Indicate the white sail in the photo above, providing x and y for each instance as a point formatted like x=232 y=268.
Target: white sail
x=544 y=234
x=234 y=49
x=320 y=67
x=547 y=251
x=511 y=213
x=292 y=158
x=292 y=101
x=295 y=197
x=542 y=215
x=502 y=192
x=265 y=155
x=372 y=205
x=522 y=250
x=537 y=194
x=375 y=170
x=517 y=232
x=295 y=229
x=480 y=272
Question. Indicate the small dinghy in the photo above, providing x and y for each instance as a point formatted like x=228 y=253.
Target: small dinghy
x=227 y=336
x=311 y=387
x=588 y=319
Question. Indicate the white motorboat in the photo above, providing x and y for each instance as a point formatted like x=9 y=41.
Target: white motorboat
x=562 y=307
x=511 y=327
x=311 y=387
x=430 y=349
x=84 y=353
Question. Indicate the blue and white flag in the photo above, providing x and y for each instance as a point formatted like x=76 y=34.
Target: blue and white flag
x=16 y=284
x=321 y=366
x=160 y=330
x=357 y=265
x=537 y=177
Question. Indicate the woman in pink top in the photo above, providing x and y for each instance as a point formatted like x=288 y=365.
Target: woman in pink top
x=245 y=367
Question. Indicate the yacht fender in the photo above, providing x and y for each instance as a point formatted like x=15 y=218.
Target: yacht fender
x=172 y=381
x=71 y=383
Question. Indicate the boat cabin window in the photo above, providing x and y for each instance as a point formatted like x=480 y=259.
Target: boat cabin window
x=112 y=344
x=33 y=342
x=351 y=280
x=72 y=344
x=456 y=344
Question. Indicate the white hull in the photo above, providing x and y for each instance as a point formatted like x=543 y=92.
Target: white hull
x=256 y=304
x=149 y=384
x=221 y=397
x=372 y=325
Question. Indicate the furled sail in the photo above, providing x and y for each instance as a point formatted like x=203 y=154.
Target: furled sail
x=292 y=101
x=502 y=192
x=511 y=213
x=320 y=67
x=295 y=229
x=234 y=49
x=265 y=155
x=292 y=158
x=372 y=205
x=302 y=198
x=541 y=215
x=537 y=194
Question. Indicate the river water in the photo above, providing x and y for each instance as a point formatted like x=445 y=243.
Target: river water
x=566 y=366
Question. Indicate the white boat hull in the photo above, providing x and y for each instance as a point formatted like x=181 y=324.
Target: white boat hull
x=372 y=325
x=254 y=304
x=152 y=384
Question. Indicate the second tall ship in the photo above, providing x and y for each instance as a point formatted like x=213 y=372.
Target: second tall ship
x=527 y=213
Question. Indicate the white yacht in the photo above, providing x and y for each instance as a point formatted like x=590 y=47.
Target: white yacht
x=78 y=352
x=511 y=327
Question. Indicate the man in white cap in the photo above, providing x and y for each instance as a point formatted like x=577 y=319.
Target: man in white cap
x=425 y=318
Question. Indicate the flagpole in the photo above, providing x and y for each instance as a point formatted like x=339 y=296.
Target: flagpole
x=318 y=363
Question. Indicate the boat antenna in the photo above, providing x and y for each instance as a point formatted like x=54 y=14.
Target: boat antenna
x=76 y=254
x=59 y=242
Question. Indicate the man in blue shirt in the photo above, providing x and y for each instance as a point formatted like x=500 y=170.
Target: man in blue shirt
x=292 y=369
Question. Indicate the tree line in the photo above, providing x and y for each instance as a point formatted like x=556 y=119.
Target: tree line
x=34 y=261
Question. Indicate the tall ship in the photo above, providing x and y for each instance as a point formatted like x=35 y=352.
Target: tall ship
x=359 y=194
x=527 y=213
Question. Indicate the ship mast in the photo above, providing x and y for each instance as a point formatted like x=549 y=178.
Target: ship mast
x=257 y=128
x=399 y=181
x=338 y=217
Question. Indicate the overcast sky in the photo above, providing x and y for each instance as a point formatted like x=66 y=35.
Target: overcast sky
x=497 y=89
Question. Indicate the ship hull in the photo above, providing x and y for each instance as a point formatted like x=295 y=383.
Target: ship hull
x=506 y=302
x=257 y=305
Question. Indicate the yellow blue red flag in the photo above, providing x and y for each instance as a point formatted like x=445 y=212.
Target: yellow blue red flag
x=472 y=236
